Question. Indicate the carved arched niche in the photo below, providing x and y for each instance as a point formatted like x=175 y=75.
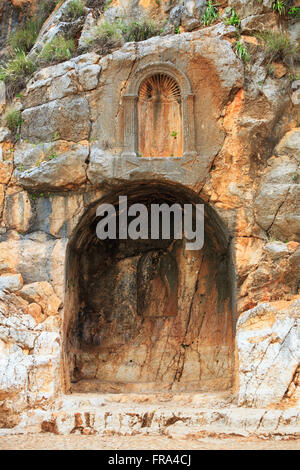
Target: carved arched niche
x=160 y=129
x=159 y=114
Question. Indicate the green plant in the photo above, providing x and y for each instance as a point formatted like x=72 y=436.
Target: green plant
x=294 y=12
x=52 y=156
x=177 y=30
x=75 y=9
x=270 y=70
x=56 y=135
x=241 y=51
x=16 y=71
x=13 y=119
x=278 y=46
x=107 y=5
x=20 y=167
x=174 y=134
x=59 y=49
x=233 y=20
x=105 y=37
x=279 y=6
x=211 y=14
x=136 y=31
x=107 y=30
x=24 y=38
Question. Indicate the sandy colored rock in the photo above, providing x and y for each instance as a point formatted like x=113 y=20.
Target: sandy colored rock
x=11 y=282
x=42 y=294
x=144 y=336
x=264 y=338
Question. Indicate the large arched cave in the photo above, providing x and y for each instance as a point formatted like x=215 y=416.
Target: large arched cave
x=148 y=315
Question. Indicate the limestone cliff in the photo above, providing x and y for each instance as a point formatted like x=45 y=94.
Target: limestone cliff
x=85 y=121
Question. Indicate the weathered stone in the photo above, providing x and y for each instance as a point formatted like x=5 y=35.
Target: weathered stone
x=18 y=213
x=6 y=169
x=42 y=294
x=37 y=258
x=276 y=249
x=68 y=78
x=2 y=96
x=250 y=7
x=68 y=118
x=289 y=144
x=63 y=170
x=4 y=134
x=276 y=204
x=279 y=70
x=59 y=24
x=28 y=155
x=89 y=24
x=265 y=339
x=11 y=282
x=89 y=76
x=149 y=315
x=35 y=311
x=251 y=24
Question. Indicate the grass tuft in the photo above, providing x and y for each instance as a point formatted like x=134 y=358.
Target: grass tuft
x=58 y=50
x=241 y=51
x=13 y=119
x=75 y=9
x=278 y=46
x=211 y=14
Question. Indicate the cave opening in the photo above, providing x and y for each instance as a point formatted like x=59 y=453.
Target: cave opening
x=148 y=315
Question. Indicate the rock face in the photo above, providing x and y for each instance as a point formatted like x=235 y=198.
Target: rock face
x=177 y=118
x=268 y=342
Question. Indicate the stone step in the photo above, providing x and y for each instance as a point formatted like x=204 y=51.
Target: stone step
x=95 y=416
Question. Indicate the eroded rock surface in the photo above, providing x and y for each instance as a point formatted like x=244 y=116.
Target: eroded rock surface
x=79 y=315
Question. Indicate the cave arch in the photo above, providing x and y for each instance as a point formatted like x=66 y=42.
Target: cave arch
x=115 y=341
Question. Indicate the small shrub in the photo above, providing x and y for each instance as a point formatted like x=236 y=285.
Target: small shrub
x=241 y=51
x=278 y=46
x=280 y=6
x=139 y=31
x=108 y=30
x=233 y=20
x=24 y=38
x=45 y=8
x=16 y=72
x=211 y=14
x=107 y=5
x=270 y=70
x=13 y=119
x=105 y=37
x=75 y=9
x=58 y=50
x=294 y=12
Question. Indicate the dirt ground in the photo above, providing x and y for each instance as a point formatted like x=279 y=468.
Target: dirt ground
x=78 y=442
